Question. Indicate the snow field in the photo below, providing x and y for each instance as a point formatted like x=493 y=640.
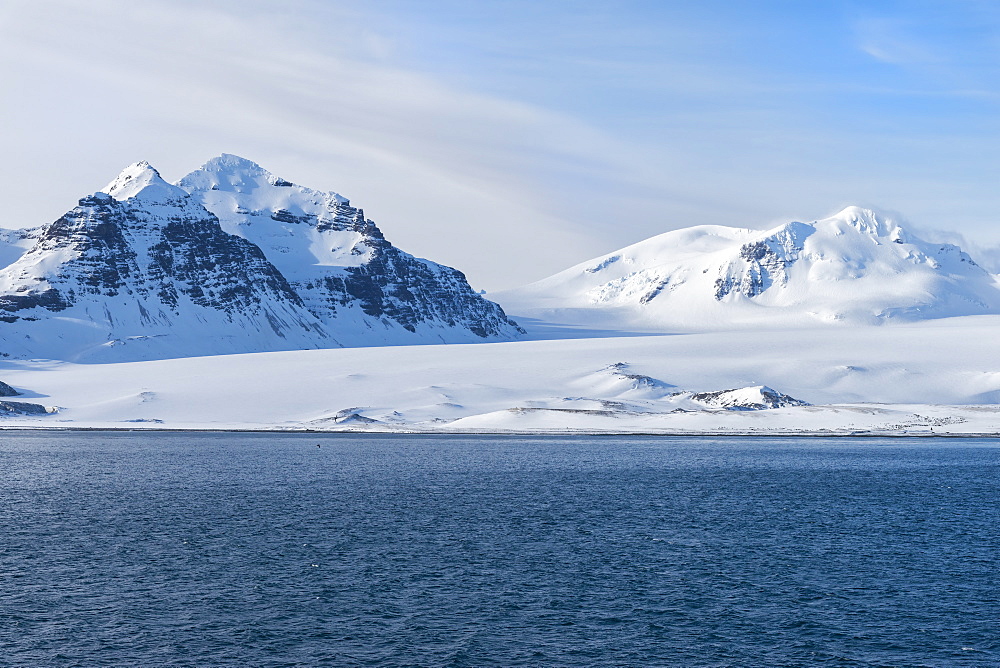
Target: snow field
x=910 y=376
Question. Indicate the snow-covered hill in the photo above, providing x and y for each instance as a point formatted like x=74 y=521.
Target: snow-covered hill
x=857 y=267
x=142 y=270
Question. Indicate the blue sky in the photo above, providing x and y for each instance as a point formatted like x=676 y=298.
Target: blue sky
x=511 y=139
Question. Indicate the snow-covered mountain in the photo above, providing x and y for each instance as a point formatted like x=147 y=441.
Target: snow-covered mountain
x=856 y=267
x=142 y=270
x=362 y=287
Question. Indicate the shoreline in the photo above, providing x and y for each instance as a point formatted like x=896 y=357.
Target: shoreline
x=858 y=383
x=546 y=433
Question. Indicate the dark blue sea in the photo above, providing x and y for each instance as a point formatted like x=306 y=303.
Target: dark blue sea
x=132 y=549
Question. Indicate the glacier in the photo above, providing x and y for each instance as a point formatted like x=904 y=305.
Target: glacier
x=922 y=378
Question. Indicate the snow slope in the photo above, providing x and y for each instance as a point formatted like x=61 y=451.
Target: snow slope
x=15 y=243
x=914 y=377
x=857 y=267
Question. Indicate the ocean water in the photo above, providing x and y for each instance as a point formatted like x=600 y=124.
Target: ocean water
x=131 y=549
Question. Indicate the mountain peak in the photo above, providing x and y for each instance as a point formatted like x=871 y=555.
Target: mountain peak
x=243 y=179
x=231 y=173
x=857 y=266
x=229 y=163
x=858 y=213
x=134 y=179
x=232 y=260
x=868 y=221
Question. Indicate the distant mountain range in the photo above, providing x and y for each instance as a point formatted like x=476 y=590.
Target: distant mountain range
x=857 y=267
x=230 y=259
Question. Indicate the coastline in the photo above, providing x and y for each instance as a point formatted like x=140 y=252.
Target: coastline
x=555 y=433
x=936 y=379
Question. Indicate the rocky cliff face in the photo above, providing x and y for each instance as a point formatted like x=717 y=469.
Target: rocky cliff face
x=763 y=263
x=365 y=289
x=143 y=270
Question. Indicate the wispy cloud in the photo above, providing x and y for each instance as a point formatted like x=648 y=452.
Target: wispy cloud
x=508 y=139
x=428 y=156
x=892 y=41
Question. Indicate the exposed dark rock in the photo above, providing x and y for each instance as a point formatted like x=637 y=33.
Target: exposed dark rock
x=603 y=265
x=396 y=287
x=520 y=410
x=354 y=418
x=283 y=216
x=737 y=399
x=8 y=391
x=654 y=293
x=49 y=299
x=214 y=269
x=639 y=381
x=763 y=263
x=21 y=408
x=764 y=268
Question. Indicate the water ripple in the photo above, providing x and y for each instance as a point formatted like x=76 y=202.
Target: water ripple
x=263 y=550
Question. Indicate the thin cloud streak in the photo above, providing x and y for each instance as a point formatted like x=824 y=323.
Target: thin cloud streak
x=472 y=152
x=489 y=149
